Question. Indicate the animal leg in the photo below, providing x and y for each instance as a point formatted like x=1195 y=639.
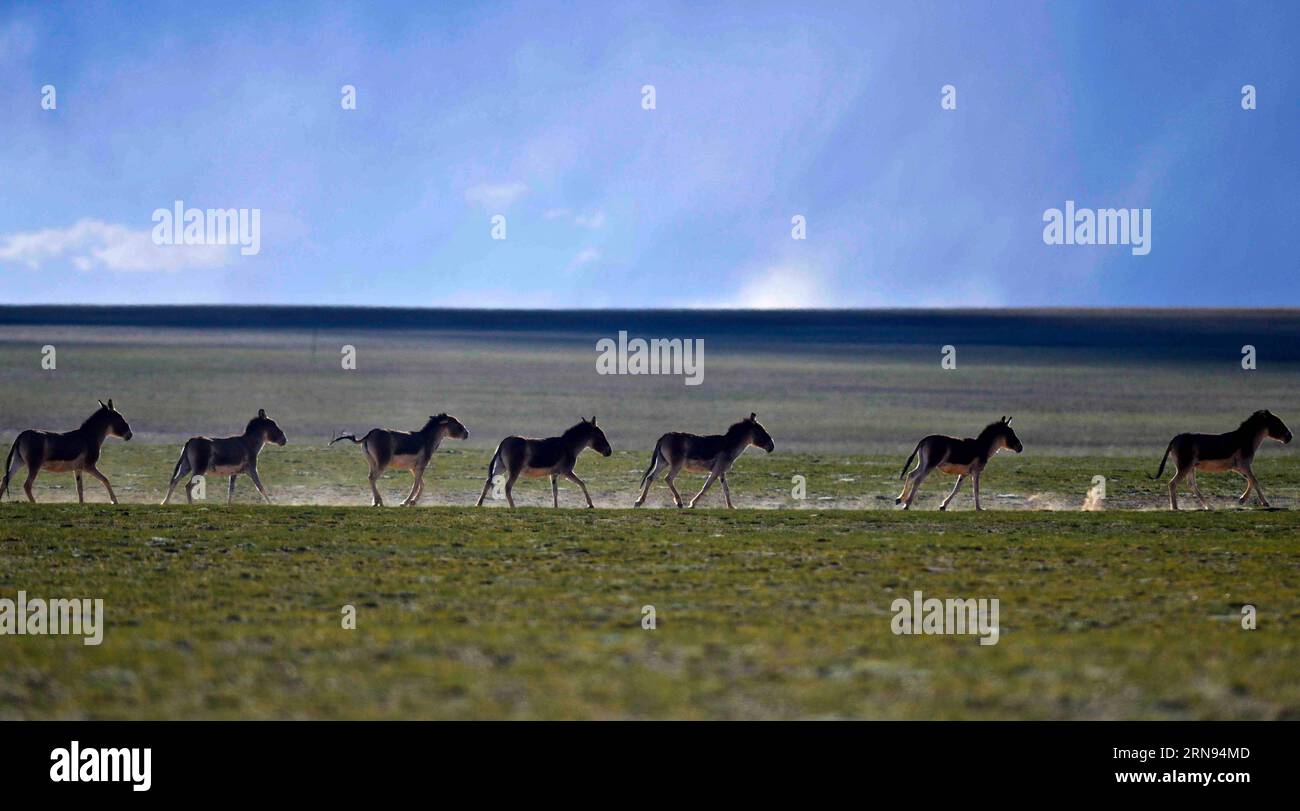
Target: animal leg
x=1179 y=475
x=649 y=480
x=1254 y=482
x=573 y=477
x=670 y=480
x=1244 y=497
x=914 y=479
x=555 y=490
x=417 y=486
x=976 y=486
x=257 y=482
x=726 y=491
x=81 y=498
x=960 y=478
x=1196 y=490
x=376 y=500
x=94 y=471
x=907 y=486
x=713 y=474
x=230 y=497
x=27 y=485
x=510 y=487
x=181 y=470
x=487 y=485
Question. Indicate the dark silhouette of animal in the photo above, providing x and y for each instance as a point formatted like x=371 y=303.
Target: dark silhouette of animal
x=713 y=454
x=228 y=456
x=405 y=450
x=554 y=457
x=1216 y=453
x=76 y=451
x=961 y=457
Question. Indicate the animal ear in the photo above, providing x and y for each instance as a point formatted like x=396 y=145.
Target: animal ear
x=101 y=404
x=753 y=416
x=1008 y=420
x=593 y=419
x=261 y=412
x=110 y=404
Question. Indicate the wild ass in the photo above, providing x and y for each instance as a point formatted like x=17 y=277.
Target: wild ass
x=713 y=454
x=554 y=457
x=405 y=450
x=76 y=451
x=1217 y=453
x=963 y=457
x=227 y=456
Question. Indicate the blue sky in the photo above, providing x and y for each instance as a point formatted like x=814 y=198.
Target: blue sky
x=763 y=111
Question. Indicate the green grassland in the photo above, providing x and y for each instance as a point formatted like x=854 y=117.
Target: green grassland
x=216 y=612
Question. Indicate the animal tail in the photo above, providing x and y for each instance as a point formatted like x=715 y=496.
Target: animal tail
x=4 y=484
x=1164 y=459
x=908 y=463
x=177 y=469
x=493 y=463
x=654 y=458
x=352 y=437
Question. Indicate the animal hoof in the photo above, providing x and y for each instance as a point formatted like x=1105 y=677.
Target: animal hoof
x=898 y=501
x=943 y=508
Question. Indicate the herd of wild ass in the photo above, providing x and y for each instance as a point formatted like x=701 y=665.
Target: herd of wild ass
x=78 y=452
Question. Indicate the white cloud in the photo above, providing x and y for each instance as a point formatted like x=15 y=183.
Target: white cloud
x=585 y=257
x=92 y=244
x=593 y=220
x=495 y=196
x=779 y=288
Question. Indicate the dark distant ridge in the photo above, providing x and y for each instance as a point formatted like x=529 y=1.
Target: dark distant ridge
x=1181 y=333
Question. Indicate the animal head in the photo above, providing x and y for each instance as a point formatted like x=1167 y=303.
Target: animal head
x=117 y=425
x=597 y=441
x=264 y=425
x=758 y=435
x=1002 y=430
x=1273 y=425
x=453 y=427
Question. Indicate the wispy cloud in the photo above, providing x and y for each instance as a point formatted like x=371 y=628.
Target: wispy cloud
x=93 y=244
x=592 y=220
x=495 y=195
x=585 y=257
